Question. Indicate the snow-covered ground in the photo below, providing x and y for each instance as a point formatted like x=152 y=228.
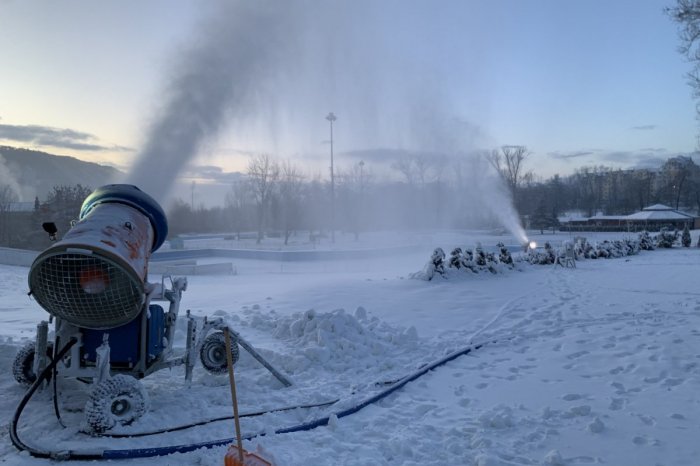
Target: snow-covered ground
x=594 y=365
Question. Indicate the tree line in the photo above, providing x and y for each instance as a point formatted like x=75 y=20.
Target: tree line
x=434 y=191
x=426 y=191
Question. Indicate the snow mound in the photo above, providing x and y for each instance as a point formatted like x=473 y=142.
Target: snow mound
x=340 y=340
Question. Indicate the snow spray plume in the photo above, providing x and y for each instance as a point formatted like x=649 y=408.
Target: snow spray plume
x=487 y=188
x=8 y=184
x=218 y=73
x=435 y=129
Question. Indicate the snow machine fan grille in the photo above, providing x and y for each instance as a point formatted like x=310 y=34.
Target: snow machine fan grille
x=86 y=290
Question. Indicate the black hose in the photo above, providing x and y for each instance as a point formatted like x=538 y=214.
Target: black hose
x=54 y=375
x=14 y=436
x=162 y=451
x=209 y=421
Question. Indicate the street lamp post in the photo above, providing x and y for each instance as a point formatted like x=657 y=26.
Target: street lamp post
x=362 y=185
x=360 y=213
x=331 y=118
x=193 y=185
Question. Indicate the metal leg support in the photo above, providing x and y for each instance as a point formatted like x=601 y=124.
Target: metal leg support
x=190 y=355
x=42 y=336
x=249 y=348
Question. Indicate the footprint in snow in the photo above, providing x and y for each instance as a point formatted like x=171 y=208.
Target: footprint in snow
x=617 y=404
x=578 y=354
x=672 y=382
x=583 y=410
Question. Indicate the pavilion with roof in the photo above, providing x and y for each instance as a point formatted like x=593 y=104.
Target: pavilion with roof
x=652 y=218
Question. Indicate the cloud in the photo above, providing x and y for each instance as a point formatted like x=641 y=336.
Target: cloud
x=644 y=127
x=650 y=157
x=617 y=156
x=658 y=150
x=569 y=155
x=643 y=158
x=55 y=137
x=211 y=173
x=378 y=155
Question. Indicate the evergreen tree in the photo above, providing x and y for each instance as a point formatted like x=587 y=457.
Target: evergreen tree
x=456 y=258
x=504 y=256
x=685 y=239
x=438 y=261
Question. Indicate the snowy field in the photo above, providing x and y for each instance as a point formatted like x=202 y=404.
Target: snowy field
x=594 y=365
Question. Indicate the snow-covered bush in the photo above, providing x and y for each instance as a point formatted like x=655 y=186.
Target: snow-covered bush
x=631 y=246
x=665 y=238
x=603 y=248
x=546 y=256
x=479 y=261
x=645 y=241
x=504 y=256
x=468 y=261
x=484 y=260
x=584 y=249
x=456 y=258
x=617 y=248
x=474 y=260
x=436 y=264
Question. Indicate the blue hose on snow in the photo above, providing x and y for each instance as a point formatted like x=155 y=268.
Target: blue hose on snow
x=162 y=451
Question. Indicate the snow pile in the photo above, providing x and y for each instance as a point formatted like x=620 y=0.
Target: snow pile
x=339 y=340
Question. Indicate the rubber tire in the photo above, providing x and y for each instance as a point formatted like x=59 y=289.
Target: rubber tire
x=119 y=400
x=22 y=369
x=213 y=353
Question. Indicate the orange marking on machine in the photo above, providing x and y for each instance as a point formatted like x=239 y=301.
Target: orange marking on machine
x=93 y=280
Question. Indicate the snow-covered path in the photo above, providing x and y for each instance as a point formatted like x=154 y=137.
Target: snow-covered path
x=600 y=364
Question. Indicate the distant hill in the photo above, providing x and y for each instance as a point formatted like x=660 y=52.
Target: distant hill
x=36 y=173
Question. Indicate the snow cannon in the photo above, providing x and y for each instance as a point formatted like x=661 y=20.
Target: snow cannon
x=108 y=328
x=95 y=277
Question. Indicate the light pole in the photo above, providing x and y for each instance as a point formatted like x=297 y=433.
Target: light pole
x=331 y=118
x=362 y=185
x=362 y=201
x=193 y=185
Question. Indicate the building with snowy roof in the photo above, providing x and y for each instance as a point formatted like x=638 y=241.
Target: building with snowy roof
x=659 y=216
x=652 y=218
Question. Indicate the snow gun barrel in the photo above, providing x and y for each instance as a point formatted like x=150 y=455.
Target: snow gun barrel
x=95 y=276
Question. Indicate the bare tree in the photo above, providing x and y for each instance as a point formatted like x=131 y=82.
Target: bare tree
x=508 y=162
x=291 y=186
x=676 y=175
x=238 y=204
x=7 y=197
x=263 y=172
x=353 y=183
x=687 y=14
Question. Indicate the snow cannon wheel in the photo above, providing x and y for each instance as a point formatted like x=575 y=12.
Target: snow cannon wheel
x=213 y=353
x=23 y=364
x=119 y=400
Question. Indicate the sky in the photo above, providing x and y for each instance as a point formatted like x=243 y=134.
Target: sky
x=578 y=83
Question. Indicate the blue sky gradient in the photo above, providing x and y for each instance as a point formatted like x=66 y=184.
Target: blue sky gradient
x=578 y=83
